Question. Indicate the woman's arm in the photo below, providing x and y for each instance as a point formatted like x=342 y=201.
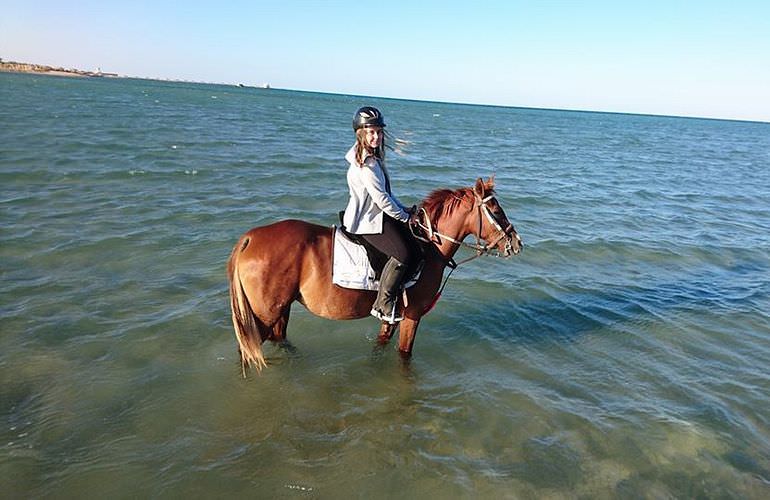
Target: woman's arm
x=374 y=182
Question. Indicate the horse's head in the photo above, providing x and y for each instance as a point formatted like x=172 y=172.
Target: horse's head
x=446 y=222
x=488 y=221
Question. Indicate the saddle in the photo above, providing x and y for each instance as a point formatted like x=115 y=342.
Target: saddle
x=376 y=258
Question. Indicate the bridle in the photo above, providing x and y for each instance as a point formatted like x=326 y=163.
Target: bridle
x=435 y=237
x=506 y=232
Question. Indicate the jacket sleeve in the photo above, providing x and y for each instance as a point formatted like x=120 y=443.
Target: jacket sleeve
x=374 y=181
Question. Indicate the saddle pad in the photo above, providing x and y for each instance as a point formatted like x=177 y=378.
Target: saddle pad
x=350 y=264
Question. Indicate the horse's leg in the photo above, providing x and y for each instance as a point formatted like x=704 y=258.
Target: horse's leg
x=278 y=330
x=386 y=333
x=406 y=332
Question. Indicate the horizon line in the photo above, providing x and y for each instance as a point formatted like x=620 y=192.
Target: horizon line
x=270 y=88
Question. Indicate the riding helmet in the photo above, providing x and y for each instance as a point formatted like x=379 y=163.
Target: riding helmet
x=368 y=117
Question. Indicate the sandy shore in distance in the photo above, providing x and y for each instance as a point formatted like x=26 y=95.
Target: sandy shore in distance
x=39 y=69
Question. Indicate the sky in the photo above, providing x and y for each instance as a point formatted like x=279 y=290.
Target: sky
x=684 y=58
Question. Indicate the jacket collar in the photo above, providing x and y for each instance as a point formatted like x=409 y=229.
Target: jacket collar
x=350 y=156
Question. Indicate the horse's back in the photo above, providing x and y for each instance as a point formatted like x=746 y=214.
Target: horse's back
x=291 y=242
x=289 y=230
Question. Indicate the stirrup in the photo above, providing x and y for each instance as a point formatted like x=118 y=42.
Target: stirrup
x=391 y=319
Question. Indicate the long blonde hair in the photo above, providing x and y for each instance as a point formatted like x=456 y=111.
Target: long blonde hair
x=362 y=152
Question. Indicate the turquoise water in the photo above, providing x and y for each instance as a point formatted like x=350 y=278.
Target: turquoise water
x=624 y=354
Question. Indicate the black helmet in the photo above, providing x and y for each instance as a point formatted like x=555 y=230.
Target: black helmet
x=368 y=117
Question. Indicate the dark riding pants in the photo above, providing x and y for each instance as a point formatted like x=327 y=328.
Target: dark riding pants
x=395 y=241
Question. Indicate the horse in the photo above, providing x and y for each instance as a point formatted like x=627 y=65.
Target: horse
x=273 y=266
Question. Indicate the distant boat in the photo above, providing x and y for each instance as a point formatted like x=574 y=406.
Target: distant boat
x=263 y=86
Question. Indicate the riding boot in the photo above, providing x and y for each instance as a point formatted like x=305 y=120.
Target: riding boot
x=385 y=306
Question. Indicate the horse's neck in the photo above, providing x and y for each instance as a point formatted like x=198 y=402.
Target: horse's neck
x=455 y=227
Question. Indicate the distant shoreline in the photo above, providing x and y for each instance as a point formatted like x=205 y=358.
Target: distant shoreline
x=40 y=69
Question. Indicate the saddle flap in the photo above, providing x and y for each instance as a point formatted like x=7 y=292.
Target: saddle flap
x=350 y=264
x=377 y=259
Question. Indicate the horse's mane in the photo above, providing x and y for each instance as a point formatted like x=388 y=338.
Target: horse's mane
x=442 y=201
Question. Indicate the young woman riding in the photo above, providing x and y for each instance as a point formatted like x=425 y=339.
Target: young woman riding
x=374 y=213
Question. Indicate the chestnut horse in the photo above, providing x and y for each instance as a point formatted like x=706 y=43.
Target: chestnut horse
x=272 y=266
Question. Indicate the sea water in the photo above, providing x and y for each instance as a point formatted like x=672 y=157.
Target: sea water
x=625 y=353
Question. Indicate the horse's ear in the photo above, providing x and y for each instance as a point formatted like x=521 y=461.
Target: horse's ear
x=480 y=188
x=491 y=182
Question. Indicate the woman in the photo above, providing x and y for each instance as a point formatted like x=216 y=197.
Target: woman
x=374 y=213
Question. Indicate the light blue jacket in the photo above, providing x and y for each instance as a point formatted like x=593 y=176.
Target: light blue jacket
x=369 y=197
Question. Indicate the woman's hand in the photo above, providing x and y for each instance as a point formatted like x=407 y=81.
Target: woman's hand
x=413 y=219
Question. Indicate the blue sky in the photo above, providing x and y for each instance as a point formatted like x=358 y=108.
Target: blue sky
x=698 y=58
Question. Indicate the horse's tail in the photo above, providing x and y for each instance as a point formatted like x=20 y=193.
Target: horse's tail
x=247 y=330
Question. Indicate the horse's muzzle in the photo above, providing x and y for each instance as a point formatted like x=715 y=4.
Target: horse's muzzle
x=512 y=242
